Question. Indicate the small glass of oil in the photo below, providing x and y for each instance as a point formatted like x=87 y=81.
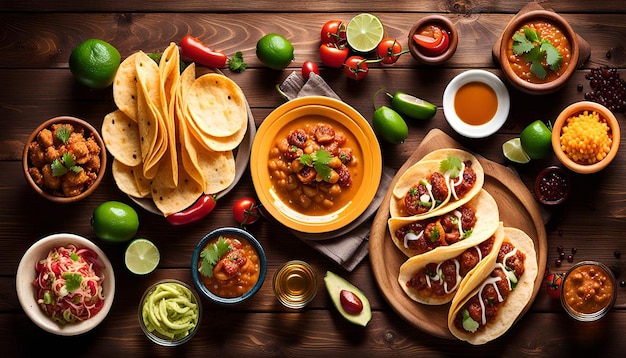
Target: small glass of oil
x=295 y=284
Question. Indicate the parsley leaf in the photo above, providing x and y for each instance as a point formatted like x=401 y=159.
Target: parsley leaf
x=319 y=160
x=211 y=255
x=237 y=64
x=72 y=281
x=536 y=50
x=63 y=133
x=452 y=166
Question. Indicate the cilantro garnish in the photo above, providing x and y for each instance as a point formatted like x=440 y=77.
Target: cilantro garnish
x=536 y=49
x=468 y=322
x=62 y=165
x=319 y=160
x=236 y=63
x=63 y=133
x=211 y=255
x=72 y=281
x=452 y=166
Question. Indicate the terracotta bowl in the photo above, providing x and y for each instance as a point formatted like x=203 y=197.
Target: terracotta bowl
x=506 y=42
x=574 y=110
x=77 y=123
x=443 y=22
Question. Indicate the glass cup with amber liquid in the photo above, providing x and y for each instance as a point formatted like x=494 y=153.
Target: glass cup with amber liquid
x=295 y=284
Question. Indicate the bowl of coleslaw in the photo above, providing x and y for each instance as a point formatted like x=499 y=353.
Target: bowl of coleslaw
x=65 y=284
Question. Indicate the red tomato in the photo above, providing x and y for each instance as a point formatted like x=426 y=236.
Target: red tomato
x=333 y=55
x=553 y=284
x=333 y=31
x=309 y=67
x=389 y=50
x=246 y=211
x=356 y=67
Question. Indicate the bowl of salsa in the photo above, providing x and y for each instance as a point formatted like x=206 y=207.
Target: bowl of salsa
x=588 y=291
x=228 y=266
x=433 y=39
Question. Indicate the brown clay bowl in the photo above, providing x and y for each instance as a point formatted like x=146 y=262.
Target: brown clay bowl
x=505 y=50
x=76 y=123
x=444 y=23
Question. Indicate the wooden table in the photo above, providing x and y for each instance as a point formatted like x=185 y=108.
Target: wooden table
x=36 y=40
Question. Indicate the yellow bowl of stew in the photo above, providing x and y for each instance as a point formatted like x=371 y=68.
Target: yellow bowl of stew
x=292 y=141
x=228 y=266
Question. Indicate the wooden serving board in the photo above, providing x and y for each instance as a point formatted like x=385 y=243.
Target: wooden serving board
x=517 y=208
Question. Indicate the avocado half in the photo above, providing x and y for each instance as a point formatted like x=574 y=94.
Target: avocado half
x=334 y=284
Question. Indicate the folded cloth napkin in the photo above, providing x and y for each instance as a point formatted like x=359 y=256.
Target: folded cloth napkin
x=346 y=248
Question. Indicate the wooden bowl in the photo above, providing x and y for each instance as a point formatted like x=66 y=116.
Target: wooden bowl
x=576 y=109
x=505 y=48
x=444 y=23
x=76 y=123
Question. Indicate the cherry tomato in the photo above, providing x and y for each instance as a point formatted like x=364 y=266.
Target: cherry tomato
x=246 y=211
x=553 y=284
x=356 y=67
x=333 y=55
x=333 y=31
x=309 y=67
x=389 y=50
x=201 y=208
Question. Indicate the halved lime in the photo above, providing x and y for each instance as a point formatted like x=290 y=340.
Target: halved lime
x=514 y=152
x=364 y=32
x=142 y=257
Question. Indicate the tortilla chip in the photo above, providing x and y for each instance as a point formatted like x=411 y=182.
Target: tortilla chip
x=125 y=178
x=172 y=200
x=125 y=87
x=217 y=105
x=121 y=138
x=217 y=168
x=169 y=69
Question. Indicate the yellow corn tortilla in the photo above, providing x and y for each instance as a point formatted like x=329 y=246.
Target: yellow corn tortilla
x=487 y=220
x=516 y=301
x=121 y=138
x=169 y=68
x=125 y=87
x=423 y=170
x=414 y=265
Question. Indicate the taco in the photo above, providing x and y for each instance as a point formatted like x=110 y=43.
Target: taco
x=490 y=300
x=469 y=223
x=446 y=179
x=435 y=277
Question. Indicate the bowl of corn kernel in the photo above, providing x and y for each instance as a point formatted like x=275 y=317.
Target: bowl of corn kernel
x=585 y=137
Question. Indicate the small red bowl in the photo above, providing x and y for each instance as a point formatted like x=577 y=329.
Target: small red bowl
x=552 y=186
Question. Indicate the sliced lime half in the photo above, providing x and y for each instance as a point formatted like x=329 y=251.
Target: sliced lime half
x=141 y=257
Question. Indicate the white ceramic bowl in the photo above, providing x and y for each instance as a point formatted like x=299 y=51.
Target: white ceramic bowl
x=26 y=291
x=502 y=111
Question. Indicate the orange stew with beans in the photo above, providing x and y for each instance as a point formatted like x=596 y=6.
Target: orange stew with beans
x=588 y=289
x=64 y=160
x=236 y=272
x=314 y=165
x=547 y=31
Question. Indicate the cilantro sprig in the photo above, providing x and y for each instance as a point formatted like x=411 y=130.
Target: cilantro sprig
x=452 y=166
x=535 y=49
x=319 y=160
x=62 y=165
x=210 y=256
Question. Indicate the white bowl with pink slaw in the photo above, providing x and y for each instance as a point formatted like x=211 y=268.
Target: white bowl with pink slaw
x=79 y=295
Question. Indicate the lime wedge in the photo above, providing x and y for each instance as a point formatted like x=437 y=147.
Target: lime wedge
x=141 y=257
x=364 y=32
x=514 y=152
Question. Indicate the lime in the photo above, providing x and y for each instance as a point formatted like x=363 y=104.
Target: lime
x=141 y=257
x=115 y=221
x=536 y=140
x=364 y=32
x=389 y=125
x=412 y=106
x=275 y=51
x=94 y=63
x=514 y=152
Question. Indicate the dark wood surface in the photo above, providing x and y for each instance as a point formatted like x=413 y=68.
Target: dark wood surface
x=36 y=39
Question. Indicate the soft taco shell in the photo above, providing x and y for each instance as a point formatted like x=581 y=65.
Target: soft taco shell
x=424 y=169
x=516 y=301
x=487 y=220
x=414 y=265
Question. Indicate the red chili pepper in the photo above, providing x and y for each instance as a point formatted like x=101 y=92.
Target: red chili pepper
x=201 y=208
x=199 y=52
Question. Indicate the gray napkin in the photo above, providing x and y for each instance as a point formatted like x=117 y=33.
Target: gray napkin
x=349 y=246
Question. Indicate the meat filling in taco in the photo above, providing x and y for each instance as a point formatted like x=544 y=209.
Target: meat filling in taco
x=482 y=308
x=439 y=188
x=440 y=279
x=439 y=231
